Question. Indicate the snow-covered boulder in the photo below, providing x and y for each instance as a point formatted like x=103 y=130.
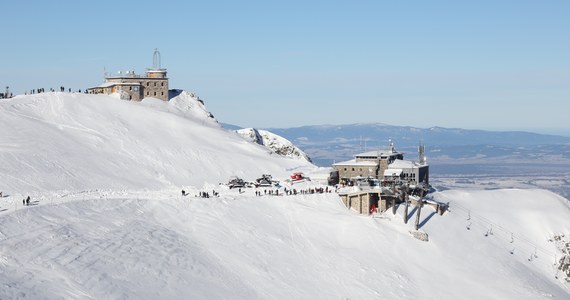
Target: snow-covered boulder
x=275 y=143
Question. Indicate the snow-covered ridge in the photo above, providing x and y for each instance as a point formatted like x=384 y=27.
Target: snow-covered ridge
x=190 y=105
x=54 y=141
x=274 y=142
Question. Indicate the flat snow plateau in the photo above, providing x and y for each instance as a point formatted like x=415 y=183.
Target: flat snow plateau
x=107 y=219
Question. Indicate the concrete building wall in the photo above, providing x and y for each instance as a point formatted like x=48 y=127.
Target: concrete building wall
x=159 y=73
x=361 y=202
x=423 y=174
x=383 y=166
x=357 y=202
x=383 y=205
x=133 y=91
x=355 y=170
x=350 y=171
x=376 y=171
x=155 y=87
x=416 y=174
x=344 y=199
x=99 y=90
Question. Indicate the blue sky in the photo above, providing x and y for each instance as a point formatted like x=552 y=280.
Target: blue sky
x=499 y=65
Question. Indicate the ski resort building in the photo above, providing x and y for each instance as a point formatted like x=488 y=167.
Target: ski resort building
x=386 y=164
x=131 y=86
x=377 y=180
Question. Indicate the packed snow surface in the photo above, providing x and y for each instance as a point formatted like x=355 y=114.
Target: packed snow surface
x=158 y=244
x=107 y=219
x=54 y=141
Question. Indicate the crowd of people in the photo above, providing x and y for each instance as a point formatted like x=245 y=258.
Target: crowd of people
x=203 y=194
x=7 y=94
x=207 y=195
x=293 y=191
x=42 y=90
x=271 y=192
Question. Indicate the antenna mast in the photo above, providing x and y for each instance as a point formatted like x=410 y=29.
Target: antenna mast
x=156 y=59
x=422 y=153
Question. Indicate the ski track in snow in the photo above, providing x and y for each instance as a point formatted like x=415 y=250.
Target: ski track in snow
x=138 y=235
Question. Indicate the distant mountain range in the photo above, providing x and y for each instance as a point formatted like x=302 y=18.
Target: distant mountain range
x=328 y=143
x=408 y=136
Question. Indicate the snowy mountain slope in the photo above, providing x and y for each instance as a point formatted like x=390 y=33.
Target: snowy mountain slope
x=156 y=244
x=107 y=220
x=54 y=141
x=275 y=143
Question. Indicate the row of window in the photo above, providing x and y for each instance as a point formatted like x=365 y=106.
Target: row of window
x=136 y=88
x=147 y=93
x=360 y=169
x=161 y=93
x=412 y=175
x=161 y=84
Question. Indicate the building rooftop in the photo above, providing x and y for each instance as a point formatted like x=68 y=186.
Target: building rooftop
x=376 y=153
x=353 y=162
x=397 y=166
x=402 y=164
x=110 y=83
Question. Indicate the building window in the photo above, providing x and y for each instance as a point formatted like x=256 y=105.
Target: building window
x=162 y=83
x=130 y=88
x=162 y=93
x=155 y=93
x=148 y=83
x=353 y=169
x=345 y=169
x=155 y=84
